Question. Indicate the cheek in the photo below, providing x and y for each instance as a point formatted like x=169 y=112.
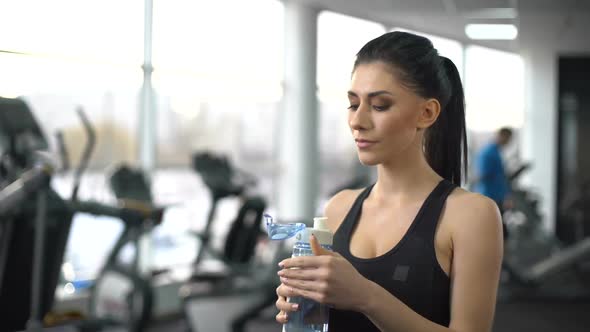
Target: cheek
x=398 y=125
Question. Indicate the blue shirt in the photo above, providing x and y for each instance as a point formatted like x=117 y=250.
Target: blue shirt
x=492 y=177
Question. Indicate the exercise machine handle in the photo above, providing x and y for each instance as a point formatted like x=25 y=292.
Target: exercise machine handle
x=31 y=181
x=131 y=215
x=91 y=134
x=63 y=151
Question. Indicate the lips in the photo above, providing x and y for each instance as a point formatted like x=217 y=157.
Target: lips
x=364 y=143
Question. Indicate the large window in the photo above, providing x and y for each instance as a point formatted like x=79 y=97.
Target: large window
x=63 y=54
x=218 y=81
x=494 y=93
x=218 y=78
x=218 y=85
x=218 y=88
x=107 y=31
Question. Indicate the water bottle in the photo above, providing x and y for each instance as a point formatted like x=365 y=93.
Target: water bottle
x=310 y=316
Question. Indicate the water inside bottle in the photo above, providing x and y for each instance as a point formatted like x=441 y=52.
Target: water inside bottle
x=311 y=316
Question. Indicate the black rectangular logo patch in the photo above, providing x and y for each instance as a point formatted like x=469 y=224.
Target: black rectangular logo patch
x=401 y=273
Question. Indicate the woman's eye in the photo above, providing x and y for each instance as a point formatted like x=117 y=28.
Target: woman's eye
x=353 y=107
x=381 y=108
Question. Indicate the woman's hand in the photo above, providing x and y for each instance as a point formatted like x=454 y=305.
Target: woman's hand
x=327 y=278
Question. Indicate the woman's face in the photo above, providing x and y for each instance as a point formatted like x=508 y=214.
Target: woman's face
x=383 y=114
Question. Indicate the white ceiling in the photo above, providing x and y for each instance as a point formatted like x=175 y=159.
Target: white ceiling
x=447 y=18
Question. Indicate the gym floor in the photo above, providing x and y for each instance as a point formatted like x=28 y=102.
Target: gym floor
x=510 y=317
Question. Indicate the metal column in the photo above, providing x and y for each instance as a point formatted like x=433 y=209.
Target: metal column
x=298 y=155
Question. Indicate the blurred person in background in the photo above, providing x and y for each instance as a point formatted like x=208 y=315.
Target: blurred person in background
x=491 y=179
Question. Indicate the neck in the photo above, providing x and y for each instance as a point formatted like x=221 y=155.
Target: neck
x=409 y=175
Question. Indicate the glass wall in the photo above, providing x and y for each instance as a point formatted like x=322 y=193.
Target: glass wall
x=218 y=80
x=63 y=55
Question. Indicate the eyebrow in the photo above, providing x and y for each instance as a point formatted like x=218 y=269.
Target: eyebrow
x=371 y=94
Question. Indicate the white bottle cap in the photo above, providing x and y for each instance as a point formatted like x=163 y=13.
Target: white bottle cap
x=320 y=223
x=321 y=231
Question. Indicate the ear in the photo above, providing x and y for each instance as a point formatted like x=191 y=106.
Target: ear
x=430 y=111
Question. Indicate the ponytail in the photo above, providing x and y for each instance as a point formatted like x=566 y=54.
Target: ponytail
x=445 y=143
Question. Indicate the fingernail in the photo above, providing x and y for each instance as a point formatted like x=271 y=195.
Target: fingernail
x=281 y=272
x=283 y=279
x=295 y=306
x=281 y=264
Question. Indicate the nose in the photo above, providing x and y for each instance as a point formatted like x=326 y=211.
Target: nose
x=360 y=119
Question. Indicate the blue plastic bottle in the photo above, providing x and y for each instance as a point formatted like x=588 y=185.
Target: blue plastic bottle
x=311 y=316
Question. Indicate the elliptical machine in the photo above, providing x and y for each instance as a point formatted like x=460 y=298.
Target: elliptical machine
x=31 y=212
x=122 y=292
x=223 y=181
x=121 y=295
x=541 y=266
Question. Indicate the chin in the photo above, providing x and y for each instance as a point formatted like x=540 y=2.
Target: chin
x=368 y=159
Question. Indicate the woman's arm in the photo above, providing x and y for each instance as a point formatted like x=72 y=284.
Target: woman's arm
x=477 y=257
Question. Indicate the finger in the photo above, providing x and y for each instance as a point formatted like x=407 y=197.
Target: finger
x=309 y=294
x=316 y=247
x=285 y=306
x=301 y=262
x=285 y=291
x=312 y=295
x=301 y=274
x=282 y=317
x=301 y=284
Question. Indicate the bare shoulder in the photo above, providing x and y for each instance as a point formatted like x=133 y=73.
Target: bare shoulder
x=472 y=213
x=338 y=206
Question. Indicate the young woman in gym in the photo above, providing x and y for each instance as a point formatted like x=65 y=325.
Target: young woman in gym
x=412 y=252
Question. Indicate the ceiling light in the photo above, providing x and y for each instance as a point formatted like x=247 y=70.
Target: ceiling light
x=491 y=31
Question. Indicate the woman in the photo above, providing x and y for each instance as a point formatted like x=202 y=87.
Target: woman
x=413 y=252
